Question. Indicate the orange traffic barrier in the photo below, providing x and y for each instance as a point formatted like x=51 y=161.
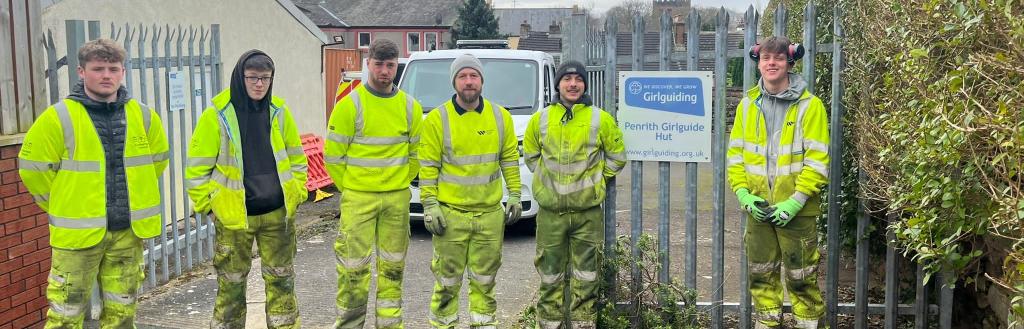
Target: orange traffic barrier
x=313 y=145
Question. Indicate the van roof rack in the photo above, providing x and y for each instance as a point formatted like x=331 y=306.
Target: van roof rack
x=482 y=44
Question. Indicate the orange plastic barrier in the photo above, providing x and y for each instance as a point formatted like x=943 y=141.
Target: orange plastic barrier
x=313 y=145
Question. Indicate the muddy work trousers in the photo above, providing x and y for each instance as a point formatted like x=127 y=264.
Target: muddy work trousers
x=274 y=235
x=116 y=261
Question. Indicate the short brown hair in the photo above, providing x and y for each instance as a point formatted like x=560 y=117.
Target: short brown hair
x=259 y=62
x=775 y=45
x=383 y=49
x=101 y=49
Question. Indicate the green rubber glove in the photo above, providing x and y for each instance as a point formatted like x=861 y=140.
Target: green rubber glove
x=513 y=209
x=753 y=204
x=433 y=217
x=785 y=211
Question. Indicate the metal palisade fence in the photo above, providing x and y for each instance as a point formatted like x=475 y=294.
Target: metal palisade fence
x=602 y=59
x=175 y=71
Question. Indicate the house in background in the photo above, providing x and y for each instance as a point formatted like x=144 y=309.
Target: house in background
x=274 y=26
x=415 y=25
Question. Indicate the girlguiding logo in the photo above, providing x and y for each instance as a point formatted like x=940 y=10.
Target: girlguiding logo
x=676 y=95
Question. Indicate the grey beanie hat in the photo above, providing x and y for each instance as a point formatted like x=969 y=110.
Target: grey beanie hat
x=573 y=67
x=466 y=61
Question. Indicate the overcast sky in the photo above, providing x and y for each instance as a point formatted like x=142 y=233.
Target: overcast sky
x=600 y=6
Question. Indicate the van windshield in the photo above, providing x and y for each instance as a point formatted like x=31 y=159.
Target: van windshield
x=507 y=82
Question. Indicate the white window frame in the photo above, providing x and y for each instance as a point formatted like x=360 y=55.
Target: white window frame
x=437 y=41
x=408 y=47
x=359 y=39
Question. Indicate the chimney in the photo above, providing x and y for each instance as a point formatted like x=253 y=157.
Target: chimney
x=524 y=29
x=554 y=28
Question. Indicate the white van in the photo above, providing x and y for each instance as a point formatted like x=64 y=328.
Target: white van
x=519 y=80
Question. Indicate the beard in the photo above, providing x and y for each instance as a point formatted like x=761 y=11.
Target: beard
x=469 y=96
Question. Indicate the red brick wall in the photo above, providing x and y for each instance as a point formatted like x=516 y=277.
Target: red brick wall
x=24 y=249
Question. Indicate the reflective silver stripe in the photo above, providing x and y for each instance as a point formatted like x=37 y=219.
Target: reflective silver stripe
x=482 y=279
x=283 y=271
x=377 y=140
x=551 y=278
x=793 y=168
x=384 y=162
x=735 y=160
x=478 y=318
x=802 y=198
x=146 y=116
x=816 y=145
x=508 y=164
x=544 y=125
x=755 y=170
x=124 y=299
x=79 y=223
x=568 y=168
x=762 y=268
x=354 y=264
x=449 y=281
x=162 y=156
x=574 y=186
x=280 y=118
x=409 y=109
x=806 y=324
x=471 y=159
x=295 y=150
x=336 y=137
x=146 y=212
x=67 y=126
x=354 y=95
x=428 y=182
x=41 y=198
x=349 y=313
x=24 y=164
x=236 y=277
x=430 y=163
x=444 y=320
x=138 y=160
x=802 y=273
x=549 y=324
x=228 y=182
x=469 y=180
x=446 y=132
x=736 y=143
x=583 y=324
x=335 y=159
x=67 y=310
x=499 y=120
x=817 y=166
x=595 y=125
x=57 y=278
x=619 y=156
x=756 y=149
x=414 y=140
x=383 y=322
x=588 y=276
x=81 y=166
x=393 y=257
x=280 y=320
x=389 y=303
x=197 y=182
x=614 y=166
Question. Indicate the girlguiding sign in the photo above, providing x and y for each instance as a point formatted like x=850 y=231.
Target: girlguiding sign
x=666 y=115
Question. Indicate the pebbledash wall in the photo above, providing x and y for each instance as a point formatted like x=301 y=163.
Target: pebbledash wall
x=24 y=249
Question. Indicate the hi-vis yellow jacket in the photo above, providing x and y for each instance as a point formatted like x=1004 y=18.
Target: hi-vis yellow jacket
x=571 y=160
x=802 y=167
x=465 y=156
x=214 y=173
x=371 y=141
x=63 y=165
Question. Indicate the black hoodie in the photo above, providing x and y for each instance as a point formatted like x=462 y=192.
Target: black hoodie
x=263 y=192
x=109 y=120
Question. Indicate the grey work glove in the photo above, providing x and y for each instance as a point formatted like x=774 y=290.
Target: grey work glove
x=433 y=217
x=513 y=209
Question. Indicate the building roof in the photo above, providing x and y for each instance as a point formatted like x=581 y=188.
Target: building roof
x=380 y=13
x=510 y=19
x=540 y=41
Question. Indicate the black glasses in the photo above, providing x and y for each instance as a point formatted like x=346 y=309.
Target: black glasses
x=254 y=80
